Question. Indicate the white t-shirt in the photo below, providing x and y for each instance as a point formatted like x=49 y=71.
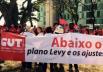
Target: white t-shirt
x=40 y=34
x=48 y=34
x=28 y=34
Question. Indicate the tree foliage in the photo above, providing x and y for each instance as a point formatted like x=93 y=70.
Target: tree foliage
x=69 y=5
x=9 y=12
x=12 y=15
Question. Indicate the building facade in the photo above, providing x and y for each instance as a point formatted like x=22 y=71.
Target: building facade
x=87 y=9
x=49 y=13
x=45 y=14
x=41 y=15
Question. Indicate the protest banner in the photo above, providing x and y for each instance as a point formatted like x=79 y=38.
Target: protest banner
x=69 y=48
x=12 y=46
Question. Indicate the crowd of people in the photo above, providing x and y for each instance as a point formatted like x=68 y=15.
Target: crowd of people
x=41 y=31
x=55 y=29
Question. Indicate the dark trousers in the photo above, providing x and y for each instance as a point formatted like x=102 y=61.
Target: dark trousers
x=44 y=66
x=53 y=67
x=75 y=66
x=27 y=65
x=41 y=67
x=71 y=66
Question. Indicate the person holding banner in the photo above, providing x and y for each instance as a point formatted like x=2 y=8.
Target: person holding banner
x=70 y=28
x=49 y=32
x=59 y=30
x=73 y=28
x=26 y=66
x=2 y=29
x=41 y=66
x=54 y=26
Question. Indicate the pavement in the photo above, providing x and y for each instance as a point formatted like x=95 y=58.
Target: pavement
x=12 y=66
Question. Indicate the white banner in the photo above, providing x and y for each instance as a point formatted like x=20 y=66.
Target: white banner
x=70 y=48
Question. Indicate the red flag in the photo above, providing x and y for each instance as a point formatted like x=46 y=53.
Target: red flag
x=76 y=26
x=12 y=47
x=62 y=21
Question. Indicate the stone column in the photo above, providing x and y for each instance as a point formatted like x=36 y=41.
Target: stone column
x=48 y=13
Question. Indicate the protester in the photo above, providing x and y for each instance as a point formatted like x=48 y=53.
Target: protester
x=4 y=28
x=26 y=66
x=74 y=29
x=41 y=66
x=66 y=28
x=34 y=30
x=84 y=30
x=59 y=30
x=18 y=31
x=39 y=31
x=12 y=28
x=54 y=26
x=56 y=29
x=48 y=32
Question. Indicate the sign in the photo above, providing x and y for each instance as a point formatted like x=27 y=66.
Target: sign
x=12 y=46
x=68 y=48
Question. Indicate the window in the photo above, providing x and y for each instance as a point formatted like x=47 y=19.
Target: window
x=101 y=13
x=87 y=1
x=98 y=0
x=80 y=15
x=94 y=1
x=100 y=6
x=95 y=6
x=89 y=7
x=89 y=14
x=98 y=13
x=100 y=21
x=86 y=8
x=90 y=21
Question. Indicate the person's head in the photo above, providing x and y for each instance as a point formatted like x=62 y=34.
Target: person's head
x=31 y=30
x=4 y=28
x=59 y=29
x=100 y=32
x=54 y=26
x=66 y=28
x=85 y=30
x=34 y=27
x=12 y=26
x=48 y=30
x=71 y=26
x=19 y=26
x=19 y=29
x=39 y=30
